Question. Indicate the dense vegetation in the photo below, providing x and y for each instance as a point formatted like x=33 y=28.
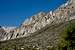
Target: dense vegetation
x=67 y=38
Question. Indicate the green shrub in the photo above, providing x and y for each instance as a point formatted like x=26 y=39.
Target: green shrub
x=4 y=48
x=65 y=42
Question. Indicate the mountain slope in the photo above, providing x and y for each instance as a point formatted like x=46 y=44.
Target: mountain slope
x=42 y=39
x=40 y=31
x=40 y=20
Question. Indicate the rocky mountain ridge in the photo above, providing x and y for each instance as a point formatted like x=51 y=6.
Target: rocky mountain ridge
x=36 y=22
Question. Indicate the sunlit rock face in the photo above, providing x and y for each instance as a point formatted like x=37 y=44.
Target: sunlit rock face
x=2 y=33
x=65 y=12
x=5 y=32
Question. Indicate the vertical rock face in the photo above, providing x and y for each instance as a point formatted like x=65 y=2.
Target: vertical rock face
x=5 y=32
x=64 y=13
x=2 y=33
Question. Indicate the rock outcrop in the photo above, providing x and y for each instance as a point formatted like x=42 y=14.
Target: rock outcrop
x=40 y=31
x=2 y=33
x=64 y=13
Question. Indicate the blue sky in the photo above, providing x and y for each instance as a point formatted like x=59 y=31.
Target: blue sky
x=14 y=12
